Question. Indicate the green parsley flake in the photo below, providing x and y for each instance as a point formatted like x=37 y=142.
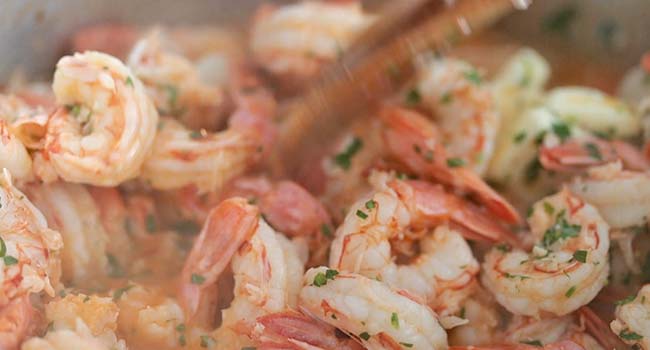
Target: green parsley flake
x=150 y=223
x=462 y=312
x=570 y=292
x=519 y=137
x=197 y=279
x=455 y=162
x=116 y=270
x=129 y=81
x=473 y=76
x=180 y=327
x=326 y=230
x=119 y=292
x=364 y=336
x=627 y=335
x=394 y=320
x=561 y=230
x=181 y=340
x=371 y=204
x=626 y=300
x=503 y=247
x=344 y=158
x=321 y=278
x=413 y=97
x=10 y=260
x=531 y=173
x=195 y=135
x=3 y=248
x=207 y=341
x=562 y=130
x=406 y=345
x=593 y=151
x=548 y=208
x=560 y=20
x=362 y=214
x=446 y=98
x=581 y=256
x=536 y=343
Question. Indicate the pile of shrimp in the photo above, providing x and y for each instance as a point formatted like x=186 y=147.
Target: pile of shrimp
x=474 y=209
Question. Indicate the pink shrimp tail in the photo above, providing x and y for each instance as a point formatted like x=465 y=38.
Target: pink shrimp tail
x=16 y=322
x=227 y=227
x=289 y=329
x=414 y=141
x=577 y=155
x=598 y=329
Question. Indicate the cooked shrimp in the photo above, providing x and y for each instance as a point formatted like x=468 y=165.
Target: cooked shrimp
x=632 y=323
x=174 y=84
x=182 y=157
x=416 y=142
x=578 y=154
x=28 y=248
x=566 y=269
x=369 y=311
x=294 y=41
x=621 y=196
x=78 y=338
x=482 y=315
x=105 y=125
x=464 y=110
x=445 y=269
x=16 y=322
x=562 y=345
x=294 y=330
x=71 y=210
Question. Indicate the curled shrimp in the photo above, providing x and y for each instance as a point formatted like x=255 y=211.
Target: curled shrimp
x=621 y=196
x=294 y=41
x=105 y=125
x=295 y=330
x=416 y=142
x=566 y=269
x=182 y=157
x=71 y=210
x=463 y=108
x=370 y=311
x=632 y=324
x=265 y=265
x=446 y=267
x=29 y=249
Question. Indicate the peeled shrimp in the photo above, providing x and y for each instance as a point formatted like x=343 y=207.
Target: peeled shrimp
x=71 y=210
x=265 y=265
x=397 y=209
x=173 y=83
x=30 y=250
x=294 y=41
x=182 y=157
x=562 y=345
x=369 y=311
x=566 y=269
x=632 y=323
x=463 y=108
x=416 y=143
x=105 y=125
x=621 y=196
x=16 y=322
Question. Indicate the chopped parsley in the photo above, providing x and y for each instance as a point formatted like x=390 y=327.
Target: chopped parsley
x=362 y=214
x=180 y=327
x=394 y=320
x=560 y=20
x=627 y=335
x=207 y=341
x=117 y=294
x=503 y=247
x=462 y=312
x=548 y=208
x=364 y=336
x=570 y=292
x=593 y=151
x=413 y=97
x=74 y=109
x=536 y=343
x=446 y=98
x=321 y=278
x=371 y=204
x=196 y=134
x=129 y=81
x=581 y=256
x=3 y=247
x=539 y=138
x=406 y=345
x=626 y=300
x=197 y=279
x=519 y=137
x=562 y=130
x=344 y=158
x=150 y=223
x=186 y=227
x=513 y=276
x=116 y=270
x=10 y=260
x=473 y=76
x=455 y=162
x=531 y=173
x=326 y=230
x=560 y=230
x=181 y=340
